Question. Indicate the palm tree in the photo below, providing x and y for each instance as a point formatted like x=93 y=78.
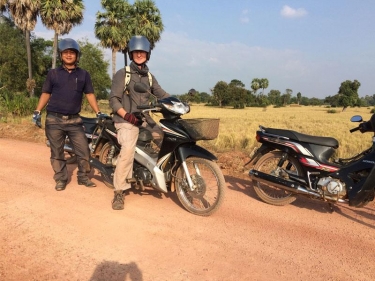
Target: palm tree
x=148 y=21
x=113 y=27
x=61 y=16
x=24 y=14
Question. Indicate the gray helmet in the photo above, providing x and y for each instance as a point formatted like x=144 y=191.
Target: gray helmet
x=139 y=43
x=71 y=44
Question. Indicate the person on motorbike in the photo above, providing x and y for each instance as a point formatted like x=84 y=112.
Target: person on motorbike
x=368 y=126
x=62 y=92
x=124 y=100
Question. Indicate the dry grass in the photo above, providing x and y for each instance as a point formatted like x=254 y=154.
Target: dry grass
x=238 y=126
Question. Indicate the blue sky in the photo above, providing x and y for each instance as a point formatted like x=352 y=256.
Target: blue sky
x=308 y=46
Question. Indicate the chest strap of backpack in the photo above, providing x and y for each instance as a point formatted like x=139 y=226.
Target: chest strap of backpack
x=128 y=75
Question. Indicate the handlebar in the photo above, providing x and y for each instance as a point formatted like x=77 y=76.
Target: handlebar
x=354 y=129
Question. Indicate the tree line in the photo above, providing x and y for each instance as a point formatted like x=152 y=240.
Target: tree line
x=26 y=59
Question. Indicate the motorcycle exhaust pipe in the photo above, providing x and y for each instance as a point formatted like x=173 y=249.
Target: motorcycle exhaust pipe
x=279 y=183
x=288 y=186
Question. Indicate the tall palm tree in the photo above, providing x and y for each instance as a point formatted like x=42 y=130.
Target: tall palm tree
x=24 y=14
x=60 y=16
x=114 y=27
x=148 y=21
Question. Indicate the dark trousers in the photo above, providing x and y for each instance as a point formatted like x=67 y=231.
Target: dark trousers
x=56 y=131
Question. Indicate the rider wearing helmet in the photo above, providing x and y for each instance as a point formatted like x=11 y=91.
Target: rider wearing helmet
x=69 y=44
x=124 y=100
x=62 y=93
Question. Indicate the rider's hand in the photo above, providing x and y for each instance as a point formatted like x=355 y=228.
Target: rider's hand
x=131 y=118
x=101 y=115
x=365 y=127
x=37 y=118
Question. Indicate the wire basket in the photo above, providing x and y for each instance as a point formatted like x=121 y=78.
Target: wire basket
x=201 y=128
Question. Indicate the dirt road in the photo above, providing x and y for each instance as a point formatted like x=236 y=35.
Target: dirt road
x=75 y=235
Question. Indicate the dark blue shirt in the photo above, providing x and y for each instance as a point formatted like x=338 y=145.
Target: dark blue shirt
x=67 y=89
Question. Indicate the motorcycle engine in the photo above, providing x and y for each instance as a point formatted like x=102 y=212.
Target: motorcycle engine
x=142 y=174
x=332 y=187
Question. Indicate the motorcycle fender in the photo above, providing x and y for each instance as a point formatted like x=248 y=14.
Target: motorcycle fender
x=186 y=151
x=259 y=153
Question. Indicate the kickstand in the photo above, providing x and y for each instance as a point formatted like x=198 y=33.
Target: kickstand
x=330 y=208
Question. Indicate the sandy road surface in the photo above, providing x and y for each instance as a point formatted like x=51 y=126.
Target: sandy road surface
x=75 y=235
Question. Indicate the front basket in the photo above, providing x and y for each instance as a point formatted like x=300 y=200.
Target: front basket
x=201 y=128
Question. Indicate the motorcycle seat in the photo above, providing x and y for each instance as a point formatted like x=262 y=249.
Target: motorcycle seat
x=293 y=135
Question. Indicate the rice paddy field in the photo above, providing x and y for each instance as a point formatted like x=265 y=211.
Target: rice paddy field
x=238 y=126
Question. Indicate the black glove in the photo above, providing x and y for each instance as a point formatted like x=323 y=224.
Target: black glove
x=365 y=127
x=131 y=118
x=37 y=118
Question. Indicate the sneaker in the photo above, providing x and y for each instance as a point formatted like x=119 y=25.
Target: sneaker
x=118 y=200
x=60 y=185
x=86 y=182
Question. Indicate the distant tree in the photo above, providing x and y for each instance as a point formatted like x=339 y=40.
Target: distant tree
x=264 y=84
x=13 y=57
x=348 y=93
x=41 y=50
x=299 y=96
x=255 y=85
x=237 y=93
x=60 y=16
x=24 y=14
x=93 y=61
x=204 y=97
x=220 y=93
x=274 y=97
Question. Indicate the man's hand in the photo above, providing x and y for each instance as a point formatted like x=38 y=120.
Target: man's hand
x=101 y=115
x=131 y=118
x=37 y=118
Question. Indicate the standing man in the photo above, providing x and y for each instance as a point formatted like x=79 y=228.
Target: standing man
x=62 y=92
x=124 y=100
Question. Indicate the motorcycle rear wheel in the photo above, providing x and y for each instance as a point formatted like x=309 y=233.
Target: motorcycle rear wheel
x=268 y=164
x=103 y=158
x=209 y=186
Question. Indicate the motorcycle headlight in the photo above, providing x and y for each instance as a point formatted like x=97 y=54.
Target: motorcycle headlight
x=178 y=107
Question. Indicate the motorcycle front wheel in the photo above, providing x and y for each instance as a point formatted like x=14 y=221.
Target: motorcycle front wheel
x=268 y=164
x=209 y=186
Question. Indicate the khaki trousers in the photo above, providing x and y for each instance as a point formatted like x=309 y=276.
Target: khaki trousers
x=127 y=135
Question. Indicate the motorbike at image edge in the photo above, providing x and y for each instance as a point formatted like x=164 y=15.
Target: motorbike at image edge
x=289 y=163
x=178 y=165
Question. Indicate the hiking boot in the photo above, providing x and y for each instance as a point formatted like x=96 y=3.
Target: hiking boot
x=86 y=182
x=60 y=185
x=118 y=200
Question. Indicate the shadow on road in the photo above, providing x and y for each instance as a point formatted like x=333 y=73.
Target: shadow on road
x=114 y=271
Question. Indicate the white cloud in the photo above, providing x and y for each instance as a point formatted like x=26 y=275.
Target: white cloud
x=289 y=12
x=244 y=16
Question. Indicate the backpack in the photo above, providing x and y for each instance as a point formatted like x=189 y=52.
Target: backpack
x=128 y=75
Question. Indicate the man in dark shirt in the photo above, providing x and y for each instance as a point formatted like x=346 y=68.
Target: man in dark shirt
x=62 y=92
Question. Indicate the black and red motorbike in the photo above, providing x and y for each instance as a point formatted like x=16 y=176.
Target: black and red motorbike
x=289 y=163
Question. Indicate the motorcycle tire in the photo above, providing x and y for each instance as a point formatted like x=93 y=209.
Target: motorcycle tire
x=209 y=185
x=103 y=158
x=268 y=164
